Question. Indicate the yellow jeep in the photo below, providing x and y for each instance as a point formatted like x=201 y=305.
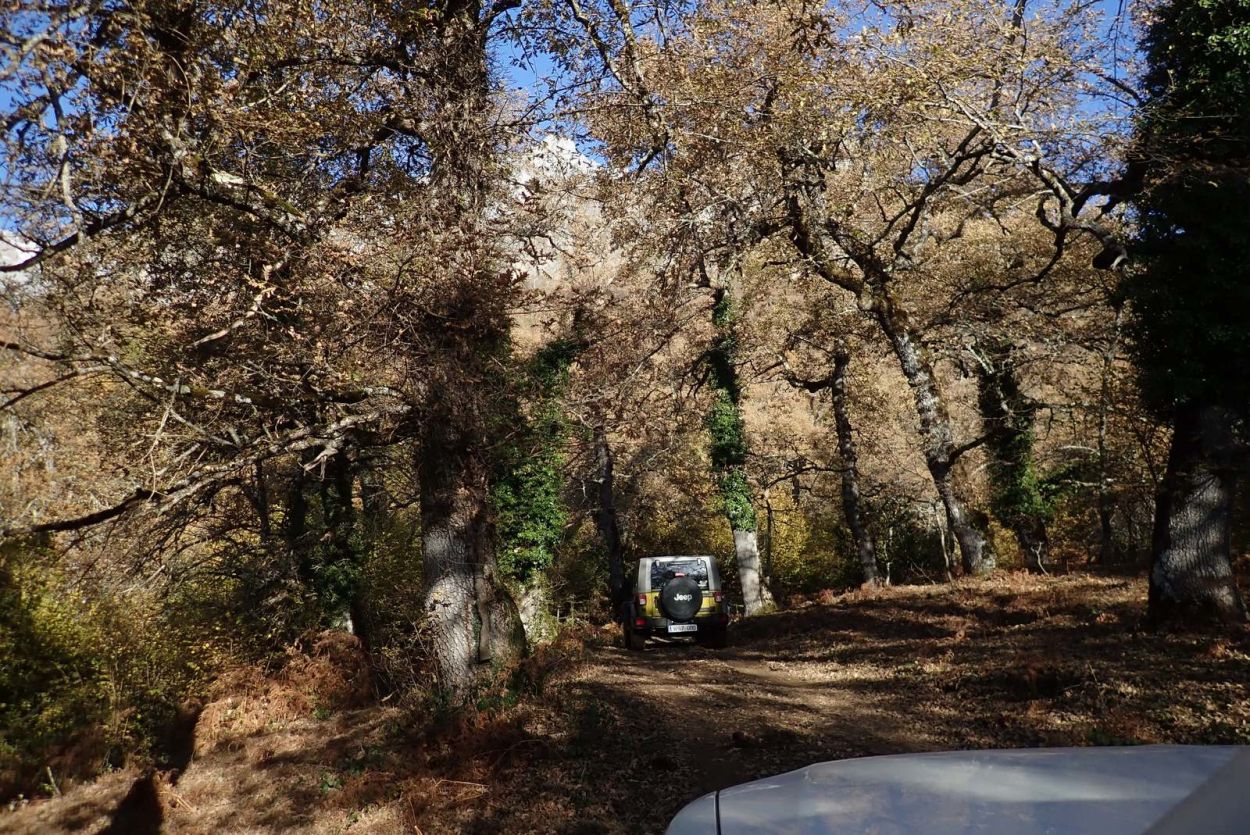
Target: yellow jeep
x=676 y=596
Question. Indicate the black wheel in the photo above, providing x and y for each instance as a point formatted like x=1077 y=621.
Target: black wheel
x=681 y=599
x=632 y=640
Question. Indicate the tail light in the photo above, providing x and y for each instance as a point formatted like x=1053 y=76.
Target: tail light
x=642 y=599
x=640 y=621
x=718 y=596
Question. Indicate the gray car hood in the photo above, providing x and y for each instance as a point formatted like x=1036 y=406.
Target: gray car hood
x=1101 y=791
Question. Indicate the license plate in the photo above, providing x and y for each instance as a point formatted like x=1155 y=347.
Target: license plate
x=683 y=627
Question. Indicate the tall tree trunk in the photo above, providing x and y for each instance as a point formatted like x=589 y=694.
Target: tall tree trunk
x=755 y=595
x=865 y=547
x=729 y=453
x=938 y=444
x=472 y=619
x=1191 y=576
x=606 y=519
x=1007 y=416
x=374 y=508
x=342 y=560
x=296 y=527
x=448 y=516
x=770 y=529
x=826 y=245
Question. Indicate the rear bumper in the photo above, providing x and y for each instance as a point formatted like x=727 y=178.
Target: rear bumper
x=659 y=626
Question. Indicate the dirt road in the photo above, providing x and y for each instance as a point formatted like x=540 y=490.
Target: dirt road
x=1015 y=663
x=614 y=741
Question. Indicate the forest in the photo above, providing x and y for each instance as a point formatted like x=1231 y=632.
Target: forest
x=354 y=352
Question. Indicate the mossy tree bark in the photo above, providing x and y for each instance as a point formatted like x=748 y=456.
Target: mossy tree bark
x=1007 y=415
x=729 y=451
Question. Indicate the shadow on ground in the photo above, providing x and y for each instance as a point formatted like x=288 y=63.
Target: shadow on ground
x=1016 y=662
x=618 y=741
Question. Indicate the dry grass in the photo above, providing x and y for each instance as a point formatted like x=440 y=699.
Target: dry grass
x=619 y=741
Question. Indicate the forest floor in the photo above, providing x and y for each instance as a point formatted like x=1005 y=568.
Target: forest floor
x=617 y=742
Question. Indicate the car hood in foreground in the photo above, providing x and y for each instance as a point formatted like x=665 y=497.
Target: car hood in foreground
x=1107 y=791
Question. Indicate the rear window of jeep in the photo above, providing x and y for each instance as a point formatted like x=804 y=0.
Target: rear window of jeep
x=695 y=569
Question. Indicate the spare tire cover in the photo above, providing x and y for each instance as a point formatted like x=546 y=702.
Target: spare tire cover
x=681 y=598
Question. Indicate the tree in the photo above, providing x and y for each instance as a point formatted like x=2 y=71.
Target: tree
x=201 y=203
x=1008 y=414
x=849 y=478
x=729 y=450
x=750 y=125
x=291 y=225
x=1190 y=301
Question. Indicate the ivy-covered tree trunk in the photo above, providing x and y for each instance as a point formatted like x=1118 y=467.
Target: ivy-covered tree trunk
x=531 y=476
x=729 y=454
x=935 y=428
x=1007 y=415
x=865 y=547
x=339 y=581
x=1191 y=576
x=295 y=528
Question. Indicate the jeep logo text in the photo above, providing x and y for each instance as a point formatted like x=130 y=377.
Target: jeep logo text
x=682 y=597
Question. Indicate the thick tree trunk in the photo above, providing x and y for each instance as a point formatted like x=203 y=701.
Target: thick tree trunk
x=1007 y=417
x=502 y=635
x=534 y=609
x=606 y=519
x=449 y=587
x=1191 y=576
x=935 y=430
x=756 y=597
x=865 y=547
x=471 y=617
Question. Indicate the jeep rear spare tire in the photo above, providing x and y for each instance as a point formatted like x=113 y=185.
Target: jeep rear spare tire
x=681 y=598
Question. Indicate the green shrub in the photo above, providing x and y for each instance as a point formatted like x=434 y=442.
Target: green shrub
x=86 y=678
